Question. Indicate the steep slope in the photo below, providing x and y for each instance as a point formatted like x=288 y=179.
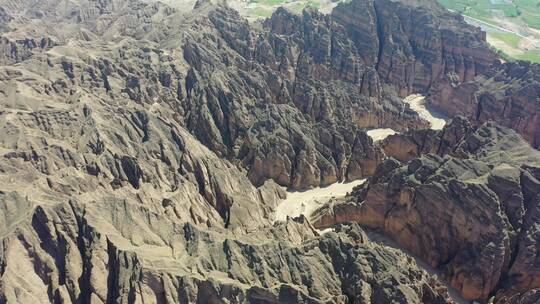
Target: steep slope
x=282 y=100
x=142 y=147
x=470 y=208
x=85 y=256
x=123 y=179
x=508 y=94
x=413 y=44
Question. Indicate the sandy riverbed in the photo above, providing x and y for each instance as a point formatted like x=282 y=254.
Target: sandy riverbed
x=380 y=134
x=417 y=103
x=305 y=202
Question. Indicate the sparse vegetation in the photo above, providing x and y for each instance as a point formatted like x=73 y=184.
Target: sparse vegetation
x=508 y=38
x=533 y=56
x=522 y=13
x=261 y=12
x=527 y=11
x=313 y=4
x=270 y=2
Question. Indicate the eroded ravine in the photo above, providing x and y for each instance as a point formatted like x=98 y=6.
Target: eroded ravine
x=416 y=103
x=306 y=202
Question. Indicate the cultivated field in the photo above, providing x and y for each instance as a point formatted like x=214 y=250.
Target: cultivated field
x=513 y=26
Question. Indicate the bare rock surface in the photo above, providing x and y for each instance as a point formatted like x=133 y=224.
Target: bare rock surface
x=118 y=253
x=143 y=151
x=287 y=99
x=467 y=205
x=489 y=142
x=508 y=94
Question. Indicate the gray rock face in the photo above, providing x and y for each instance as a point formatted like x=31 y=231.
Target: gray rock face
x=131 y=140
x=145 y=256
x=473 y=217
x=507 y=93
x=413 y=44
x=488 y=142
x=298 y=118
x=288 y=101
x=142 y=149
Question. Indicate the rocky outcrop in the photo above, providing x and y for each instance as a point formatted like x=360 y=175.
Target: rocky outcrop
x=142 y=147
x=489 y=142
x=130 y=147
x=64 y=254
x=325 y=68
x=12 y=52
x=247 y=94
x=413 y=44
x=303 y=101
x=283 y=100
x=471 y=212
x=508 y=94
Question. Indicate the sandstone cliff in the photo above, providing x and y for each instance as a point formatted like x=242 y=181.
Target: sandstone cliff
x=469 y=207
x=131 y=139
x=143 y=148
x=508 y=94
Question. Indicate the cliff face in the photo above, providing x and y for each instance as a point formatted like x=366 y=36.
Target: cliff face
x=421 y=47
x=413 y=45
x=340 y=72
x=508 y=94
x=64 y=255
x=138 y=145
x=283 y=100
x=468 y=207
x=307 y=95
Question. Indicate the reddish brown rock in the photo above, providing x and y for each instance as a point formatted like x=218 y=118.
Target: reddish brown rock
x=472 y=213
x=509 y=94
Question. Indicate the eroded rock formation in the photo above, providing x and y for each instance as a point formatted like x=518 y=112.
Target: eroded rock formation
x=152 y=259
x=469 y=206
x=508 y=94
x=142 y=149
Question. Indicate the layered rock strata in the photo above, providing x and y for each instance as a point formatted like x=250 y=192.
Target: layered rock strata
x=138 y=145
x=508 y=94
x=466 y=202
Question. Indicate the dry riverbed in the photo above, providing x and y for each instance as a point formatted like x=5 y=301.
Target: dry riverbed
x=305 y=202
x=417 y=104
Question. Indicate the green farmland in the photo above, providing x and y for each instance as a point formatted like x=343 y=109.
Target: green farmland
x=512 y=26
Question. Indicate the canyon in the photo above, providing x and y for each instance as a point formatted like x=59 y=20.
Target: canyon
x=154 y=154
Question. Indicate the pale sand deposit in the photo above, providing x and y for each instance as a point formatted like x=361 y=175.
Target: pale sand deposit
x=418 y=104
x=380 y=134
x=305 y=202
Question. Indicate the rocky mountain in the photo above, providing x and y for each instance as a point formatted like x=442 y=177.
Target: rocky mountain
x=144 y=149
x=508 y=94
x=285 y=98
x=464 y=199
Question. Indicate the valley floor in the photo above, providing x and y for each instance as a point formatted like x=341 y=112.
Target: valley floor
x=306 y=202
x=417 y=104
